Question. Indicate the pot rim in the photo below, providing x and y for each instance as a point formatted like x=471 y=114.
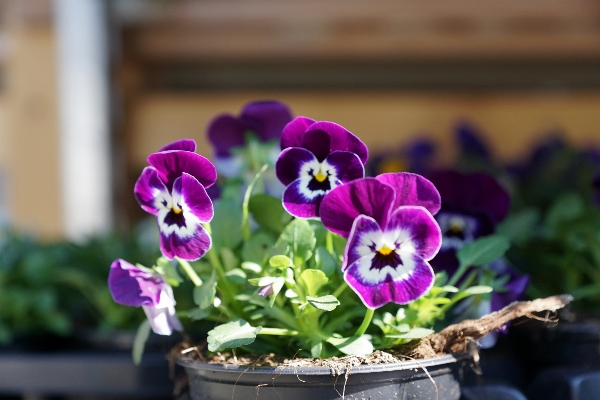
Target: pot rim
x=188 y=362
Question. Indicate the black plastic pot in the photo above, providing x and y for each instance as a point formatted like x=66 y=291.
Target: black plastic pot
x=406 y=380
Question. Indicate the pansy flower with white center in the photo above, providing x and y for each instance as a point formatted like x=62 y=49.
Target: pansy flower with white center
x=391 y=235
x=133 y=286
x=173 y=189
x=316 y=157
x=472 y=206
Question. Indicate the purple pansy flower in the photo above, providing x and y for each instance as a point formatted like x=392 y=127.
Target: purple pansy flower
x=173 y=189
x=263 y=119
x=316 y=157
x=133 y=286
x=391 y=235
x=472 y=205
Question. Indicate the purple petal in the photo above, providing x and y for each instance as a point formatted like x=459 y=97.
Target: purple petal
x=470 y=141
x=195 y=198
x=340 y=139
x=318 y=142
x=365 y=230
x=299 y=201
x=367 y=196
x=162 y=316
x=171 y=164
x=292 y=133
x=472 y=194
x=187 y=246
x=266 y=291
x=290 y=163
x=420 y=228
x=413 y=190
x=132 y=286
x=347 y=165
x=183 y=144
x=267 y=118
x=226 y=132
x=146 y=189
x=400 y=284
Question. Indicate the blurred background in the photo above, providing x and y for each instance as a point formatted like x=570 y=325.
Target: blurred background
x=89 y=88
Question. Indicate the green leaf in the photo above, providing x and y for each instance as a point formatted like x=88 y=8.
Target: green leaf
x=167 y=269
x=300 y=237
x=277 y=286
x=325 y=303
x=258 y=247
x=313 y=280
x=236 y=275
x=483 y=251
x=315 y=349
x=199 y=313
x=268 y=212
x=204 y=295
x=230 y=261
x=252 y=267
x=477 y=290
x=568 y=207
x=414 y=333
x=139 y=342
x=325 y=261
x=226 y=225
x=280 y=262
x=231 y=335
x=355 y=345
x=519 y=226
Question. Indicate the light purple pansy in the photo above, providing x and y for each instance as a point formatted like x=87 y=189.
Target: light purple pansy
x=173 y=189
x=316 y=157
x=391 y=235
x=135 y=287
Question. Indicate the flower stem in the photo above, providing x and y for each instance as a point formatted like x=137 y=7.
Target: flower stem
x=329 y=242
x=340 y=289
x=365 y=324
x=245 y=217
x=278 y=331
x=189 y=271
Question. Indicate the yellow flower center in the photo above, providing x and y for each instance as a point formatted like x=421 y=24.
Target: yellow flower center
x=385 y=250
x=320 y=176
x=177 y=210
x=456 y=228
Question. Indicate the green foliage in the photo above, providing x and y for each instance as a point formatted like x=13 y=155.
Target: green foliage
x=231 y=335
x=51 y=288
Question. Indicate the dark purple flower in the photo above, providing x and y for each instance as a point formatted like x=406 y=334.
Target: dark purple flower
x=472 y=205
x=173 y=189
x=135 y=287
x=316 y=157
x=391 y=235
x=470 y=141
x=264 y=119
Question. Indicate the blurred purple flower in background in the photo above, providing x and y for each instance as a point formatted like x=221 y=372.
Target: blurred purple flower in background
x=316 y=157
x=391 y=235
x=132 y=286
x=261 y=120
x=472 y=205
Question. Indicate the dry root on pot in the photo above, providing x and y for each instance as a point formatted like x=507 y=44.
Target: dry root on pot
x=455 y=338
